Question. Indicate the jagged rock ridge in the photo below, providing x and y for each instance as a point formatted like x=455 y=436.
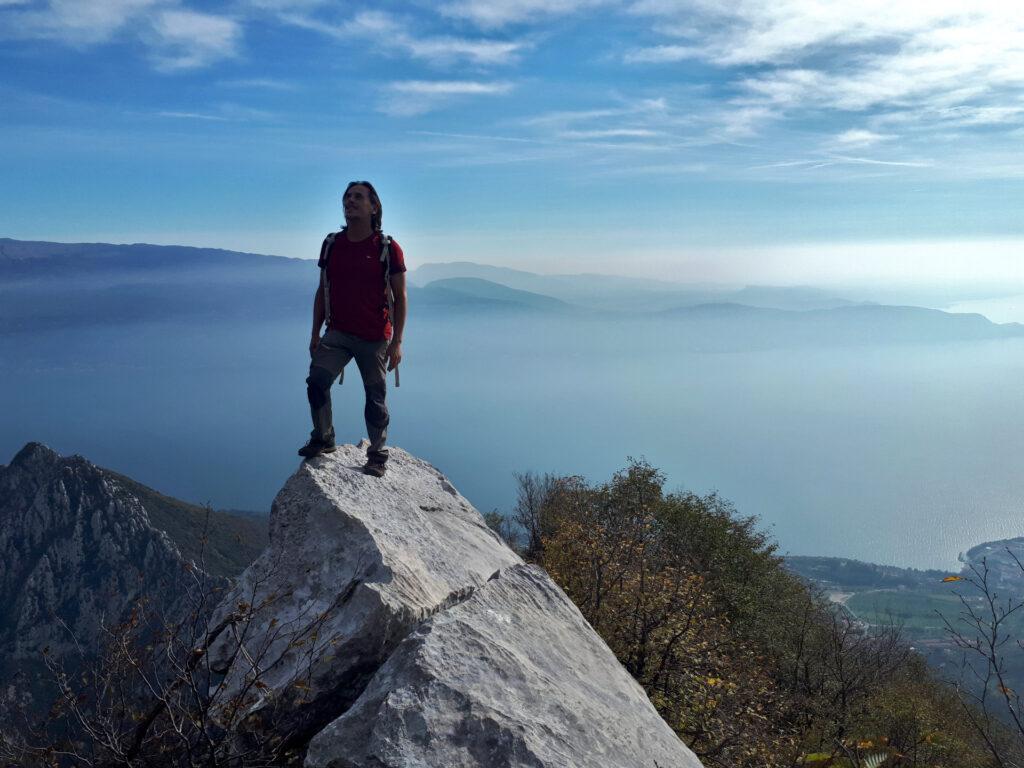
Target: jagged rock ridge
x=76 y=551
x=78 y=548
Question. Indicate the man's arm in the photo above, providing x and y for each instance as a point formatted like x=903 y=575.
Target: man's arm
x=398 y=322
x=318 y=315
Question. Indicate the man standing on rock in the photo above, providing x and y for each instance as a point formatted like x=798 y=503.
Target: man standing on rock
x=362 y=284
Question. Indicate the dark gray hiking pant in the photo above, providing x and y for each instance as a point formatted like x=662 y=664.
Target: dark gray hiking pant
x=329 y=360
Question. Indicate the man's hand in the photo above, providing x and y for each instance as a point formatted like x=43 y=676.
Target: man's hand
x=314 y=343
x=394 y=354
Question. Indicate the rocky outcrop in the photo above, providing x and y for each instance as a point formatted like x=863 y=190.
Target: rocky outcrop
x=355 y=563
x=386 y=623
x=80 y=548
x=514 y=676
x=76 y=551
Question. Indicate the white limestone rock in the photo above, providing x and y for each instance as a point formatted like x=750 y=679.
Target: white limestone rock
x=512 y=677
x=354 y=564
x=389 y=627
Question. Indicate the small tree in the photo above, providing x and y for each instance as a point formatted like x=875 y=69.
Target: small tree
x=987 y=633
x=529 y=513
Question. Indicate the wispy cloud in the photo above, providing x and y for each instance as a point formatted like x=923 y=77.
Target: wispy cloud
x=188 y=40
x=176 y=38
x=609 y=133
x=221 y=113
x=661 y=54
x=475 y=136
x=74 y=23
x=859 y=137
x=830 y=160
x=191 y=116
x=441 y=49
x=920 y=59
x=415 y=97
x=876 y=161
x=637 y=124
x=285 y=5
x=260 y=83
x=491 y=14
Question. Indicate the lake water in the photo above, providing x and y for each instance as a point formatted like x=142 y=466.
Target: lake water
x=893 y=454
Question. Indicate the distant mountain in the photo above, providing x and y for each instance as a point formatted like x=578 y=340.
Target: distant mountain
x=57 y=285
x=54 y=285
x=612 y=292
x=22 y=260
x=457 y=289
x=608 y=292
x=531 y=281
x=788 y=297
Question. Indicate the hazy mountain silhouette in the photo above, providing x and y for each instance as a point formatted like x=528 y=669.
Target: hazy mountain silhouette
x=55 y=285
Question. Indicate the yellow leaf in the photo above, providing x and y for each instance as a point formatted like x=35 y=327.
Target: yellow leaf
x=952 y=578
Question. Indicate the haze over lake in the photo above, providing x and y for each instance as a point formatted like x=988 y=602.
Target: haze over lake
x=903 y=453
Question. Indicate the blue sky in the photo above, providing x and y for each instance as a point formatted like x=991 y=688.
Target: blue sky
x=774 y=141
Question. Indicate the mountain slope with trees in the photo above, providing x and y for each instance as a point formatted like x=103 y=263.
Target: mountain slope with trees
x=751 y=667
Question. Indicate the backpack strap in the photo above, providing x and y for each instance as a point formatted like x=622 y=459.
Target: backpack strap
x=385 y=258
x=325 y=255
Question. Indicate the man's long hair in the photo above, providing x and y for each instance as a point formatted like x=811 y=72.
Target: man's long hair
x=376 y=219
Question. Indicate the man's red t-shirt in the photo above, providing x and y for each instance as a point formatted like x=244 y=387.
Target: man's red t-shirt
x=359 y=305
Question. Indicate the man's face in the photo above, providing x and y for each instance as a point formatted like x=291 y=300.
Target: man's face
x=358 y=204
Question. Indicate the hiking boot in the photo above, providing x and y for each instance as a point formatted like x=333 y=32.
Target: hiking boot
x=315 y=448
x=375 y=468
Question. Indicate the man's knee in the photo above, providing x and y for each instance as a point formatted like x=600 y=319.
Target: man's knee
x=318 y=384
x=376 y=404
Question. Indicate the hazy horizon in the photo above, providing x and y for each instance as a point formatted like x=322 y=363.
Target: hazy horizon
x=797 y=142
x=984 y=295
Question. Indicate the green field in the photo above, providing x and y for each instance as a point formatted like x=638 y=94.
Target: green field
x=917 y=612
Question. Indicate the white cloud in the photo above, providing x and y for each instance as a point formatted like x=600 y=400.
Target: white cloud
x=449 y=87
x=285 y=5
x=983 y=115
x=415 y=97
x=662 y=54
x=260 y=83
x=74 y=22
x=928 y=59
x=188 y=40
x=609 y=133
x=177 y=38
x=443 y=50
x=876 y=161
x=191 y=116
x=223 y=113
x=573 y=116
x=491 y=14
x=859 y=137
x=741 y=121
